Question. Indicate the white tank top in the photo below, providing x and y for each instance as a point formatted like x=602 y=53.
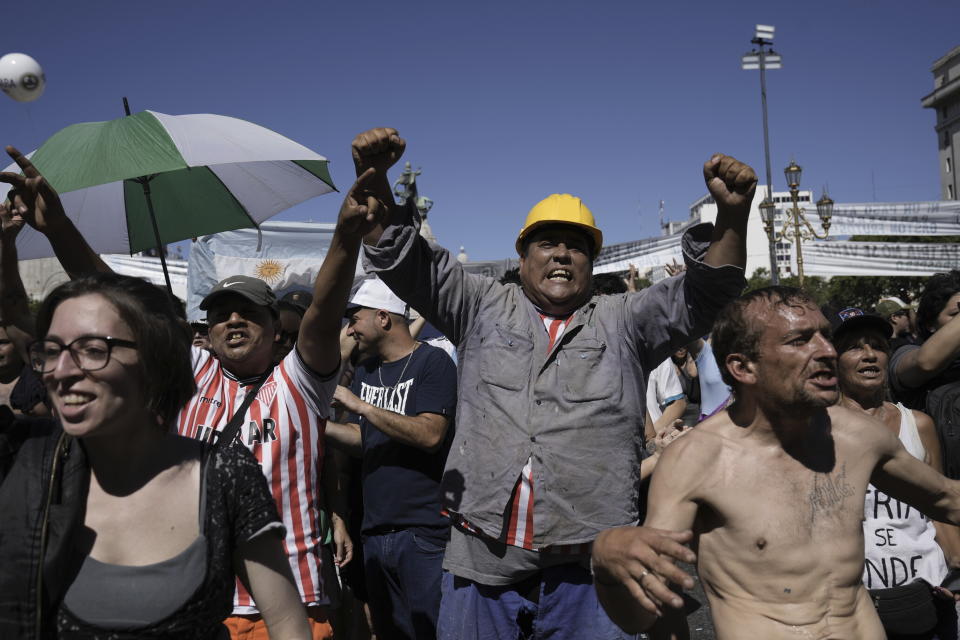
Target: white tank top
x=899 y=540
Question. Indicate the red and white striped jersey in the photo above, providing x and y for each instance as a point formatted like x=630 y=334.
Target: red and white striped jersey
x=284 y=428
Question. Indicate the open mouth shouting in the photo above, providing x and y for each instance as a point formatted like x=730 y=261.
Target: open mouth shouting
x=824 y=378
x=560 y=275
x=236 y=338
x=870 y=371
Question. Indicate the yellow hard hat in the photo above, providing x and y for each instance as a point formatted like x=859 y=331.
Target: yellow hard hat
x=561 y=208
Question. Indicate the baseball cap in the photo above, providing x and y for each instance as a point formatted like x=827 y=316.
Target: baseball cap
x=889 y=306
x=301 y=299
x=852 y=318
x=374 y=294
x=253 y=289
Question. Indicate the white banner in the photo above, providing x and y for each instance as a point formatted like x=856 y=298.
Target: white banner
x=643 y=254
x=151 y=270
x=936 y=218
x=843 y=258
x=829 y=258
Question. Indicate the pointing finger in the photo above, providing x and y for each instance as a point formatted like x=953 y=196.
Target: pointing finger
x=23 y=162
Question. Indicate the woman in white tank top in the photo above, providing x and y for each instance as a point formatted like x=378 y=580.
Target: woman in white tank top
x=901 y=544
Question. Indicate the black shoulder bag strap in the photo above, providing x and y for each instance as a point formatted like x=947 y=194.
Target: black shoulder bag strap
x=229 y=432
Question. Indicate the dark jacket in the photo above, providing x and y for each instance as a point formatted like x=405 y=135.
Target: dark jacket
x=44 y=480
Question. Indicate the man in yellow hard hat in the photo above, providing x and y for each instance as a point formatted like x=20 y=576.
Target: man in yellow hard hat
x=547 y=449
x=554 y=282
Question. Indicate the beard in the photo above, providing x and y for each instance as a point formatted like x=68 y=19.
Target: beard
x=798 y=400
x=803 y=394
x=804 y=399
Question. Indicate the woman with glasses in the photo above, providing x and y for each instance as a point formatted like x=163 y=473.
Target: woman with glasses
x=112 y=526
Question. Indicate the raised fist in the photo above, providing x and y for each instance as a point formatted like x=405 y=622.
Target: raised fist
x=378 y=148
x=730 y=182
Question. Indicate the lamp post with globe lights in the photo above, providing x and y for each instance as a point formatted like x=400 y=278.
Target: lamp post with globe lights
x=796 y=228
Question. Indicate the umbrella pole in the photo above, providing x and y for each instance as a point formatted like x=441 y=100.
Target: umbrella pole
x=145 y=183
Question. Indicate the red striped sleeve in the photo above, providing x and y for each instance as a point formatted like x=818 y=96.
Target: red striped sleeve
x=303 y=419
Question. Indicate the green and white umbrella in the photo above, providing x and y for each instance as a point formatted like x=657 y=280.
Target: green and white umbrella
x=199 y=173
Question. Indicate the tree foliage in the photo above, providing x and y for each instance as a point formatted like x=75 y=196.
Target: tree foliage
x=847 y=291
x=858 y=291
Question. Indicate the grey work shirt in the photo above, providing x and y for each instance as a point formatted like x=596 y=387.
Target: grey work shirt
x=577 y=410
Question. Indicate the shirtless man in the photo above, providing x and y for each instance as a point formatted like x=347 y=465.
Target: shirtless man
x=773 y=488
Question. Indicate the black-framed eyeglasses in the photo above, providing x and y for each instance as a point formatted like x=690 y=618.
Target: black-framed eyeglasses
x=90 y=353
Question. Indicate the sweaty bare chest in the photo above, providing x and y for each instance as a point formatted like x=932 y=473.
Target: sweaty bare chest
x=786 y=538
x=775 y=507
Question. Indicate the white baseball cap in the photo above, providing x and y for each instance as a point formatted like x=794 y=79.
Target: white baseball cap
x=374 y=294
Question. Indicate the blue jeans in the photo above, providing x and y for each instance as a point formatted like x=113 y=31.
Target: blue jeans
x=403 y=570
x=566 y=607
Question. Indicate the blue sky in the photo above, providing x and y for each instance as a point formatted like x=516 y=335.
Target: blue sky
x=503 y=103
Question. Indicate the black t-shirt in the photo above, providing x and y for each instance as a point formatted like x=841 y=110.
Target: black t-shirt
x=28 y=392
x=902 y=341
x=401 y=483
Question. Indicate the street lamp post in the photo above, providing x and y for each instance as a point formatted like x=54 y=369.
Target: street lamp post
x=796 y=229
x=763 y=59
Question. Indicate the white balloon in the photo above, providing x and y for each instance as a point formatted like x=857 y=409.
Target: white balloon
x=21 y=77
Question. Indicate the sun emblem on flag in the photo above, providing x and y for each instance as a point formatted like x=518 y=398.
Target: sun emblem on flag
x=269 y=271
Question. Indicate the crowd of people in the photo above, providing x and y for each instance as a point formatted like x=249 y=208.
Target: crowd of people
x=530 y=458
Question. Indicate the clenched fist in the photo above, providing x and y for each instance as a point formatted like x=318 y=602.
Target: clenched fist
x=731 y=183
x=378 y=148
